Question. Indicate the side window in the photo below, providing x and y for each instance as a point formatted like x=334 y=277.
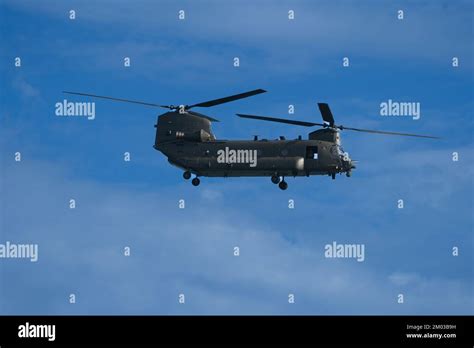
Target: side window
x=312 y=152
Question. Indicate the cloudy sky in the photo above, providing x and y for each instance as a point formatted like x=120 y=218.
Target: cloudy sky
x=190 y=251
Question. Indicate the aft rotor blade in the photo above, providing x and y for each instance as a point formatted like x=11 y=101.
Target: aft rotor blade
x=118 y=99
x=227 y=99
x=281 y=120
x=388 y=133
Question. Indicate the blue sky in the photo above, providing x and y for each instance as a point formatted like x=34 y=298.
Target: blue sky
x=190 y=251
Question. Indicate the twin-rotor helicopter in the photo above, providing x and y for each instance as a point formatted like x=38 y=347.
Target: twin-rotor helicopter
x=185 y=137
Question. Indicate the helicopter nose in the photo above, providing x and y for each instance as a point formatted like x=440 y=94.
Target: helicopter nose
x=348 y=163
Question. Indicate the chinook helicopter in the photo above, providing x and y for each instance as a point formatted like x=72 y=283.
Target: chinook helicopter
x=186 y=139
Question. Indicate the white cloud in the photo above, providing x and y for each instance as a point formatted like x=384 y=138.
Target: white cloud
x=25 y=88
x=401 y=279
x=174 y=251
x=430 y=32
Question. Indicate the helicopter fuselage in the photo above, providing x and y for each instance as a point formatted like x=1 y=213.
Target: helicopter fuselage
x=189 y=144
x=235 y=158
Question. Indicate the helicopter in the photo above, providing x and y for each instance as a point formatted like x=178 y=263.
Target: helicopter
x=185 y=137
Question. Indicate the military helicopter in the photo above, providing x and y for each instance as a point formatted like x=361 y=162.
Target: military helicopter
x=186 y=139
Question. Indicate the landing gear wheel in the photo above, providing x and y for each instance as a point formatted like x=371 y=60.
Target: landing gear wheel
x=283 y=185
x=196 y=182
x=348 y=174
x=187 y=175
x=333 y=175
x=275 y=179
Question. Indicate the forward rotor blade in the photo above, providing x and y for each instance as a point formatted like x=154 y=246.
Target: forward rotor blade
x=388 y=133
x=281 y=120
x=326 y=113
x=118 y=99
x=227 y=99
